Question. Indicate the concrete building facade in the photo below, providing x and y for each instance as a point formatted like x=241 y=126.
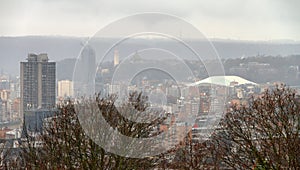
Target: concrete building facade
x=37 y=83
x=65 y=88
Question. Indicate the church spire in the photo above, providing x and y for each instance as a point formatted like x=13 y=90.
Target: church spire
x=24 y=133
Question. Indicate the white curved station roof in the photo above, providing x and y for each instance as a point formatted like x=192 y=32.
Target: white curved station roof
x=223 y=81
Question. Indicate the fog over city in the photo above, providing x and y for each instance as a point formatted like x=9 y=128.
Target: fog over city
x=13 y=49
x=197 y=84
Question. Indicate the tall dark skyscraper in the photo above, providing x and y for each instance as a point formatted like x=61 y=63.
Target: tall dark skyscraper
x=84 y=74
x=37 y=83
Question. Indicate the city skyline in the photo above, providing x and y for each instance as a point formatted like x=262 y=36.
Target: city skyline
x=198 y=84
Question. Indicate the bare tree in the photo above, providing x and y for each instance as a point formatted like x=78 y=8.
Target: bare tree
x=65 y=144
x=194 y=154
x=261 y=135
x=264 y=134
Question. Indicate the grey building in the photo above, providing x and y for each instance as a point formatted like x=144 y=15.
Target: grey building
x=37 y=83
x=85 y=73
x=34 y=119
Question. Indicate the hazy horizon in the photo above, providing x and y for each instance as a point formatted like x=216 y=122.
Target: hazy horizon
x=230 y=19
x=15 y=49
x=209 y=38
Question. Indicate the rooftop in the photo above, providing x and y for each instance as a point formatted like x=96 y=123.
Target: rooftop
x=223 y=81
x=43 y=57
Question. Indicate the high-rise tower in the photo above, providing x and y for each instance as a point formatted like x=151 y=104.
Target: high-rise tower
x=37 y=83
x=84 y=74
x=116 y=58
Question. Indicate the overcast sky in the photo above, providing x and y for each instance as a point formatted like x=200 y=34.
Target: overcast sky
x=233 y=19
